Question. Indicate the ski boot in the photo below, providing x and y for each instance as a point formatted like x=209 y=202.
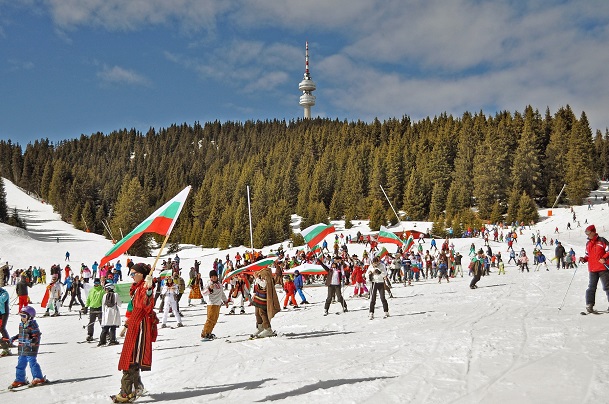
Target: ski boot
x=386 y=314
x=232 y=311
x=123 y=398
x=38 y=382
x=371 y=316
x=590 y=308
x=180 y=325
x=242 y=311
x=16 y=384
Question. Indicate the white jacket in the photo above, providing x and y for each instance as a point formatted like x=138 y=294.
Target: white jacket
x=378 y=278
x=217 y=296
x=111 y=315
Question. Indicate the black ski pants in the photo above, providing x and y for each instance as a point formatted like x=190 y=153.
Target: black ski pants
x=380 y=288
x=95 y=314
x=335 y=289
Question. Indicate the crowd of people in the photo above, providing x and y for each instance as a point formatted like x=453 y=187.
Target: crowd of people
x=372 y=275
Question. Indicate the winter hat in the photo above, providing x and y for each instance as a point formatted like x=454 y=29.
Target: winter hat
x=109 y=285
x=591 y=228
x=96 y=281
x=297 y=272
x=141 y=268
x=213 y=272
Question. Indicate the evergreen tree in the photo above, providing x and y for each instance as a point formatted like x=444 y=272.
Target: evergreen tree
x=377 y=216
x=580 y=176
x=3 y=205
x=414 y=203
x=527 y=210
x=130 y=210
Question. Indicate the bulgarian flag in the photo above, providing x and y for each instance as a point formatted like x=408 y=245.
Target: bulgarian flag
x=316 y=233
x=161 y=222
x=383 y=253
x=409 y=243
x=316 y=249
x=385 y=236
x=251 y=268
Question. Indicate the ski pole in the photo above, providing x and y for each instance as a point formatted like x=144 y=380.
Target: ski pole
x=563 y=300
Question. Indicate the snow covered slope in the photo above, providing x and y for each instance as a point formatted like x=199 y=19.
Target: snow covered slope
x=505 y=342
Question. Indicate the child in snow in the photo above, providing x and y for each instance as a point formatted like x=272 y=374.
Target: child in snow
x=238 y=294
x=299 y=284
x=170 y=295
x=290 y=292
x=216 y=299
x=501 y=266
x=111 y=315
x=29 y=341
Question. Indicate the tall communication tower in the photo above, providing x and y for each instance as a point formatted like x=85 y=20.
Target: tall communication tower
x=307 y=86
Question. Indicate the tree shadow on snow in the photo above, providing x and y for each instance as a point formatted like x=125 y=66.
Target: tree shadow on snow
x=315 y=334
x=326 y=384
x=192 y=393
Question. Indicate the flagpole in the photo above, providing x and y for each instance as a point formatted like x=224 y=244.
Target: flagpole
x=160 y=251
x=394 y=212
x=249 y=209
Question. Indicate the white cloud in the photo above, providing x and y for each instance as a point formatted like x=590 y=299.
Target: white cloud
x=387 y=57
x=119 y=75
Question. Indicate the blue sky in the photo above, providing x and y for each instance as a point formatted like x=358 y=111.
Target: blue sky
x=72 y=67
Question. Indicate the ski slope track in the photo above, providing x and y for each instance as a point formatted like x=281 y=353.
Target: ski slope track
x=505 y=342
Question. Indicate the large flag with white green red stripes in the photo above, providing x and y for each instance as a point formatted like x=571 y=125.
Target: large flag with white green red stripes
x=386 y=236
x=161 y=222
x=316 y=233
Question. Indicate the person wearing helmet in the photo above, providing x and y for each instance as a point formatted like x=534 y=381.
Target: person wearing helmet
x=29 y=341
x=111 y=315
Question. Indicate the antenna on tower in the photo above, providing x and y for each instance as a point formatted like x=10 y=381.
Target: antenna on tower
x=307 y=86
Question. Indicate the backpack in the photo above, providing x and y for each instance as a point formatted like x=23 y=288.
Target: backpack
x=110 y=299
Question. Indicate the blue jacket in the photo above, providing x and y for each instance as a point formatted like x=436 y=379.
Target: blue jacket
x=29 y=338
x=3 y=301
x=298 y=281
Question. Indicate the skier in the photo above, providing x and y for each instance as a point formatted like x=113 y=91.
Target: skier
x=29 y=342
x=216 y=299
x=196 y=285
x=77 y=285
x=141 y=328
x=299 y=284
x=5 y=311
x=290 y=292
x=377 y=274
x=266 y=302
x=54 y=290
x=111 y=315
x=477 y=267
x=170 y=296
x=238 y=294
x=541 y=260
x=559 y=254
x=597 y=254
x=94 y=302
x=458 y=266
x=22 y=290
x=334 y=282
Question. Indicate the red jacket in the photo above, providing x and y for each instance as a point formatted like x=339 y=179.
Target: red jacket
x=596 y=249
x=141 y=330
x=289 y=287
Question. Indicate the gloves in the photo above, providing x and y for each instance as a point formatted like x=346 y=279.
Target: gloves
x=148 y=281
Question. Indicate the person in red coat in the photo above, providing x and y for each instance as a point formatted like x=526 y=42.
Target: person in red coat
x=597 y=255
x=290 y=292
x=141 y=328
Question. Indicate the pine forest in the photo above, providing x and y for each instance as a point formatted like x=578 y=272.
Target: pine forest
x=455 y=172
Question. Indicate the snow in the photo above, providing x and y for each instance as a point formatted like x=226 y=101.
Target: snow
x=506 y=342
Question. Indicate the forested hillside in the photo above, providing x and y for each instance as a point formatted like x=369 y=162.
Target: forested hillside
x=435 y=169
